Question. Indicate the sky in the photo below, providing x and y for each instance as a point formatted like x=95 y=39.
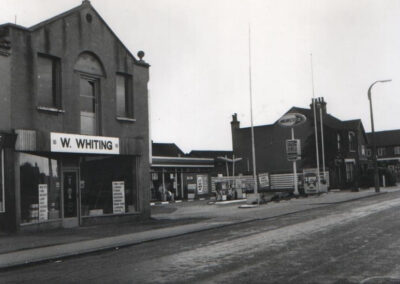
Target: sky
x=199 y=56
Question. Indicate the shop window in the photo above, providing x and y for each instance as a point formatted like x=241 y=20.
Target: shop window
x=397 y=150
x=352 y=141
x=349 y=172
x=124 y=96
x=2 y=190
x=369 y=152
x=108 y=186
x=49 y=81
x=40 y=188
x=381 y=152
x=88 y=105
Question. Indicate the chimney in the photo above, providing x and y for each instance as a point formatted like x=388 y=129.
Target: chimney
x=235 y=123
x=319 y=104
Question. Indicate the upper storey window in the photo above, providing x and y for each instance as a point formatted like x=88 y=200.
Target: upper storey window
x=49 y=81
x=124 y=95
x=352 y=141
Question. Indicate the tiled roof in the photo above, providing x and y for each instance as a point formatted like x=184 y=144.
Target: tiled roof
x=385 y=138
x=166 y=150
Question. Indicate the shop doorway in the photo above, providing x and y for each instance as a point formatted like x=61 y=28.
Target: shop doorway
x=71 y=198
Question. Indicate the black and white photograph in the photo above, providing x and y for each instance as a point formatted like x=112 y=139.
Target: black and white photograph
x=200 y=141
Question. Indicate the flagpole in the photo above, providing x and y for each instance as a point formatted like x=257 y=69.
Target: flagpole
x=315 y=124
x=252 y=127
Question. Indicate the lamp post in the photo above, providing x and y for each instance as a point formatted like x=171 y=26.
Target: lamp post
x=374 y=158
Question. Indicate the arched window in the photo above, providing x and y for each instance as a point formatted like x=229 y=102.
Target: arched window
x=90 y=71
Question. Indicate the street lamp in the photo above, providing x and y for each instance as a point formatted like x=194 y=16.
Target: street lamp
x=376 y=174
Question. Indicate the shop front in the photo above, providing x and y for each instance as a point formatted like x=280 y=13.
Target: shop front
x=184 y=178
x=82 y=180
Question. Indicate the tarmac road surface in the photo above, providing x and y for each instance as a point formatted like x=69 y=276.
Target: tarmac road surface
x=352 y=242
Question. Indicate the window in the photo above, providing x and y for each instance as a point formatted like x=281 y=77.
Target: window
x=49 y=81
x=381 y=152
x=338 y=138
x=124 y=96
x=362 y=150
x=99 y=192
x=352 y=141
x=2 y=190
x=349 y=172
x=397 y=150
x=88 y=105
x=40 y=188
x=369 y=152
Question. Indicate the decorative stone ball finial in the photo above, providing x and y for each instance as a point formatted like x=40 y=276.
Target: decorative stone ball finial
x=85 y=2
x=140 y=54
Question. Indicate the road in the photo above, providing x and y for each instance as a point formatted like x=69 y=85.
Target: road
x=351 y=242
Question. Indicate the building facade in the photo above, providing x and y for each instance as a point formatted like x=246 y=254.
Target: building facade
x=387 y=151
x=74 y=124
x=344 y=142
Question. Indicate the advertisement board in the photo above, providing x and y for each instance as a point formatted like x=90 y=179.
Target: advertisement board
x=118 y=189
x=263 y=179
x=43 y=202
x=293 y=149
x=202 y=184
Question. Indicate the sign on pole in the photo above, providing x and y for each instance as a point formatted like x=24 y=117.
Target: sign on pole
x=293 y=149
x=292 y=120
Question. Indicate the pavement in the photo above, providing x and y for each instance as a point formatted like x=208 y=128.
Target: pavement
x=168 y=220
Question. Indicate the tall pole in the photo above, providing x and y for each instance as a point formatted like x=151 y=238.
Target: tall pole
x=322 y=141
x=252 y=127
x=296 y=189
x=315 y=125
x=374 y=158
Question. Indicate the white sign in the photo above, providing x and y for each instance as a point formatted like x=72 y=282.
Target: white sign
x=202 y=184
x=74 y=143
x=293 y=149
x=118 y=197
x=292 y=119
x=43 y=203
x=264 y=179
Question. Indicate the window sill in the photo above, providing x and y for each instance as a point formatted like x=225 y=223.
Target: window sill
x=50 y=109
x=126 y=119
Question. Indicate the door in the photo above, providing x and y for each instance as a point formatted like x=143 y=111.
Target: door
x=71 y=198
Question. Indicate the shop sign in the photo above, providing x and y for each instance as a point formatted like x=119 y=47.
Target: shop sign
x=118 y=189
x=263 y=179
x=202 y=184
x=74 y=143
x=43 y=202
x=293 y=149
x=292 y=119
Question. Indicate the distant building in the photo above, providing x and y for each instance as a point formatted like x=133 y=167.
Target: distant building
x=74 y=124
x=387 y=150
x=345 y=146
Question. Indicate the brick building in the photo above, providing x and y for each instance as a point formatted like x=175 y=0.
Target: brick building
x=345 y=146
x=74 y=124
x=387 y=150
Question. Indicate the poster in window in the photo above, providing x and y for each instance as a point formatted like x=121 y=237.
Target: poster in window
x=118 y=188
x=43 y=201
x=202 y=184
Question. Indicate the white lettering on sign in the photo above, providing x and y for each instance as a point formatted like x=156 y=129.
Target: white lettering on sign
x=74 y=143
x=43 y=198
x=118 y=188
